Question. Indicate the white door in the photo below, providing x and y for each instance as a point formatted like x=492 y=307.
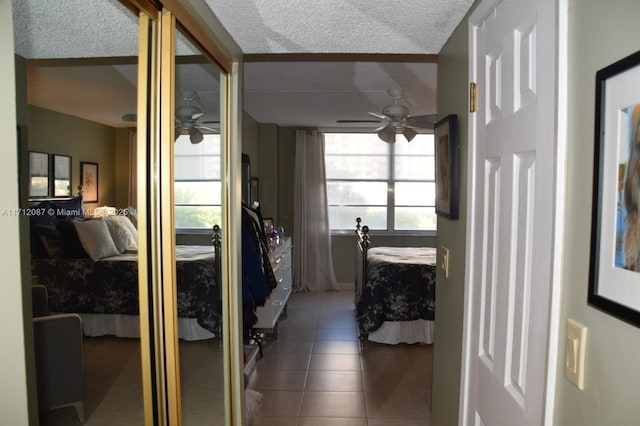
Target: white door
x=511 y=202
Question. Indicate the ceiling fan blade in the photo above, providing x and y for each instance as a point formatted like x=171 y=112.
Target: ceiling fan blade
x=210 y=122
x=197 y=115
x=380 y=128
x=422 y=121
x=209 y=129
x=357 y=121
x=130 y=117
x=380 y=116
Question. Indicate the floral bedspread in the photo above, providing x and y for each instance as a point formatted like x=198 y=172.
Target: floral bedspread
x=110 y=285
x=400 y=286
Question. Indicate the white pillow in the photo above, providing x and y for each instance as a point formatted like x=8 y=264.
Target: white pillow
x=121 y=233
x=95 y=238
x=129 y=222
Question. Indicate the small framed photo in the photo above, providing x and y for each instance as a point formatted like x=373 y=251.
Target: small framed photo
x=615 y=225
x=38 y=175
x=89 y=176
x=61 y=175
x=447 y=159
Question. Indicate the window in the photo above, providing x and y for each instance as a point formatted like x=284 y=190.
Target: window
x=197 y=188
x=390 y=186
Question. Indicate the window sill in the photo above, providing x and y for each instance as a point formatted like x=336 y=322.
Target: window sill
x=194 y=231
x=384 y=233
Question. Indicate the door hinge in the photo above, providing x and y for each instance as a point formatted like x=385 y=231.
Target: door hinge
x=473 y=97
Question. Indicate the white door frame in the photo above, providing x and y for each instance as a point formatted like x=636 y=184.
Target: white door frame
x=554 y=11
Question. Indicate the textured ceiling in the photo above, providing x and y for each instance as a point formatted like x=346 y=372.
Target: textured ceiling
x=340 y=26
x=304 y=93
x=295 y=93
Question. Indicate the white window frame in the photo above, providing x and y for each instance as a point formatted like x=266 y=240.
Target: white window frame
x=391 y=181
x=203 y=230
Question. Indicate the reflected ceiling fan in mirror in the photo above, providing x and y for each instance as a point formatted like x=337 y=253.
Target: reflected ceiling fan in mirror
x=395 y=119
x=188 y=117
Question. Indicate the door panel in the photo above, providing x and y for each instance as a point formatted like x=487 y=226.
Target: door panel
x=511 y=246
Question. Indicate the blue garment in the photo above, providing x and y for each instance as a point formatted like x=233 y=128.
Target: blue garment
x=254 y=284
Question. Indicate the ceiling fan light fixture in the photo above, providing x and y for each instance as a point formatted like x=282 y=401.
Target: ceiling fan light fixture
x=409 y=134
x=195 y=135
x=388 y=134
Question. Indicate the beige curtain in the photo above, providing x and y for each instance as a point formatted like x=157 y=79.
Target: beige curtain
x=312 y=262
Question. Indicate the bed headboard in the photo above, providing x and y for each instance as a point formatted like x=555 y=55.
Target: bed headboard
x=362 y=246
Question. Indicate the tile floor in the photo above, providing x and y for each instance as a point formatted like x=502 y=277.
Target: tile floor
x=314 y=374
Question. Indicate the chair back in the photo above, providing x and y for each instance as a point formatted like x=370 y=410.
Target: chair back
x=39 y=300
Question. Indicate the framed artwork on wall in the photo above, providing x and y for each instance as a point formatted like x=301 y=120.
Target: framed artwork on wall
x=447 y=159
x=89 y=179
x=615 y=225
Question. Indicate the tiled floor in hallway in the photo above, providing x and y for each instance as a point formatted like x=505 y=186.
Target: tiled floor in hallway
x=315 y=374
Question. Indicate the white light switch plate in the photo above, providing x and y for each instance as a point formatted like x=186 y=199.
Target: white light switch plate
x=574 y=353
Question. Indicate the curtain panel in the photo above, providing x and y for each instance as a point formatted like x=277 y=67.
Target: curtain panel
x=312 y=263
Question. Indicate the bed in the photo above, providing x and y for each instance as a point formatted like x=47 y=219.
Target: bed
x=395 y=291
x=102 y=285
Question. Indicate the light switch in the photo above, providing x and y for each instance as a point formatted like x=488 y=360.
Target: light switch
x=574 y=353
x=445 y=261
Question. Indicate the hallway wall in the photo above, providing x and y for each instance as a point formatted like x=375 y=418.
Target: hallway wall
x=447 y=349
x=600 y=33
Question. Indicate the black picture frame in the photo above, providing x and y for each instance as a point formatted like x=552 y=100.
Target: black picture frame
x=614 y=266
x=38 y=175
x=89 y=179
x=61 y=182
x=447 y=161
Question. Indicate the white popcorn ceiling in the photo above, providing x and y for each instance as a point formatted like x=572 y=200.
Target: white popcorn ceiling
x=74 y=29
x=340 y=26
x=284 y=93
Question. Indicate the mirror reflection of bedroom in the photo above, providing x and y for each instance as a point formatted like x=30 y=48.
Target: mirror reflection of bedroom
x=337 y=318
x=82 y=113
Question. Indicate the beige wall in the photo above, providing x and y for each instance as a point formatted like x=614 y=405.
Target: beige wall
x=121 y=167
x=14 y=312
x=600 y=33
x=343 y=250
x=286 y=177
x=83 y=140
x=250 y=138
x=447 y=350
x=268 y=165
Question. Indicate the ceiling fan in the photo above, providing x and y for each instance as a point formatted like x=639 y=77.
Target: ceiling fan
x=187 y=118
x=395 y=118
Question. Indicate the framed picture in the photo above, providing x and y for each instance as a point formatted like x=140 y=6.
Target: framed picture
x=38 y=174
x=89 y=176
x=61 y=175
x=615 y=225
x=447 y=158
